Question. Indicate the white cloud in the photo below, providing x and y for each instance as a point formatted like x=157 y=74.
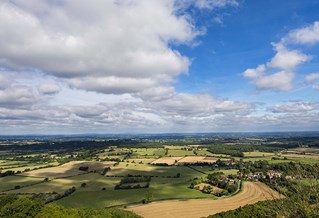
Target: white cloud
x=254 y=73
x=312 y=77
x=306 y=35
x=298 y=107
x=212 y=4
x=49 y=89
x=17 y=96
x=97 y=40
x=280 y=81
x=287 y=59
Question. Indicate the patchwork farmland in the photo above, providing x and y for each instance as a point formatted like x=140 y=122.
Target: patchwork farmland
x=205 y=178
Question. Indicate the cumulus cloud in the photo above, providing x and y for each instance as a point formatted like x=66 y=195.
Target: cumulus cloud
x=96 y=41
x=285 y=59
x=297 y=107
x=17 y=96
x=49 y=89
x=312 y=77
x=254 y=73
x=306 y=35
x=280 y=81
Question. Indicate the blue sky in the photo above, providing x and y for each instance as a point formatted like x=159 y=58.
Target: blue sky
x=135 y=66
x=243 y=40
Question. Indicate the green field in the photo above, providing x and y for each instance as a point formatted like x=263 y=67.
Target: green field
x=258 y=154
x=95 y=182
x=148 y=152
x=125 y=168
x=180 y=153
x=9 y=182
x=159 y=188
x=208 y=170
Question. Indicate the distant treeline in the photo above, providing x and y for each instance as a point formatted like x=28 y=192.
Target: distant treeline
x=80 y=145
x=238 y=150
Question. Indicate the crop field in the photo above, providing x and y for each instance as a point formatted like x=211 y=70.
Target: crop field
x=251 y=193
x=68 y=169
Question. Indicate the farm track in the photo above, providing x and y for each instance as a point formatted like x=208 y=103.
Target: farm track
x=251 y=193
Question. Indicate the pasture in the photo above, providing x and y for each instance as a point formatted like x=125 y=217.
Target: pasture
x=179 y=153
x=167 y=160
x=9 y=182
x=68 y=169
x=160 y=189
x=124 y=168
x=94 y=182
x=196 y=159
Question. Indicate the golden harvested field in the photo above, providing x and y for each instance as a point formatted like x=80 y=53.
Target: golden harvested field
x=167 y=160
x=251 y=193
x=68 y=169
x=196 y=159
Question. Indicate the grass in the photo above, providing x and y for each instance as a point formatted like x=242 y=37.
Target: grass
x=30 y=166
x=94 y=182
x=160 y=189
x=149 y=152
x=175 y=147
x=257 y=154
x=304 y=159
x=180 y=153
x=150 y=170
x=204 y=153
x=10 y=182
x=209 y=170
x=138 y=160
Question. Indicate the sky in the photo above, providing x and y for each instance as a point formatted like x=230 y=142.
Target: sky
x=158 y=66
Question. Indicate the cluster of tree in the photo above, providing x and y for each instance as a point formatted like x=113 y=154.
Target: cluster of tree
x=135 y=179
x=6 y=173
x=219 y=180
x=132 y=186
x=65 y=194
x=290 y=168
x=24 y=207
x=134 y=182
